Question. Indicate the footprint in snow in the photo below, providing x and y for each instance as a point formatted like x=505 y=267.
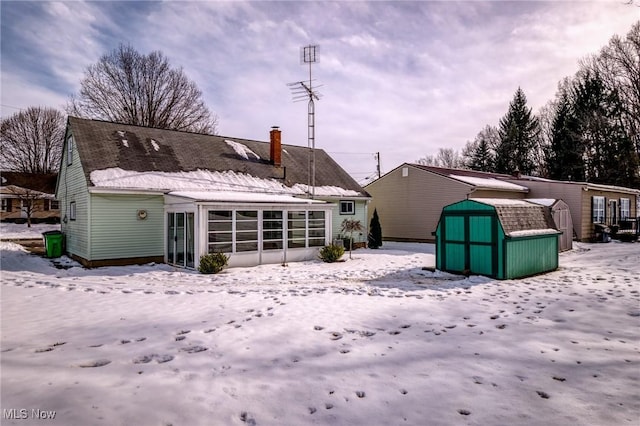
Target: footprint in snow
x=246 y=418
x=336 y=336
x=194 y=349
x=543 y=395
x=94 y=364
x=160 y=359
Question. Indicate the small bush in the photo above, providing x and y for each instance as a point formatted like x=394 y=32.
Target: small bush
x=213 y=263
x=331 y=253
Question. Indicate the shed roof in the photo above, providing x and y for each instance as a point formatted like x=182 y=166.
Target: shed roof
x=106 y=146
x=520 y=218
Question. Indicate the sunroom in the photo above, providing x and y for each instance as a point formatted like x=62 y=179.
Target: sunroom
x=251 y=228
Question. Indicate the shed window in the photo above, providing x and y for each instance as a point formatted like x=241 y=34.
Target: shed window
x=69 y=150
x=72 y=210
x=597 y=209
x=45 y=206
x=55 y=205
x=625 y=209
x=6 y=204
x=347 y=207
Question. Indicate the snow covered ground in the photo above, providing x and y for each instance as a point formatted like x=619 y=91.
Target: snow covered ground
x=375 y=340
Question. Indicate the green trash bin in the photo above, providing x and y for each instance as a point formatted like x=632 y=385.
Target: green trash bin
x=53 y=243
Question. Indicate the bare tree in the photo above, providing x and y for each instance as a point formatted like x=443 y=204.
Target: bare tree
x=31 y=140
x=28 y=200
x=125 y=86
x=446 y=157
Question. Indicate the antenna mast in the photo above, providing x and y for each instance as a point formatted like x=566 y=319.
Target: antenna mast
x=302 y=90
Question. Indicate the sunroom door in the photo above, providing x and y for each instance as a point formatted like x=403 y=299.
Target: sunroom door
x=180 y=239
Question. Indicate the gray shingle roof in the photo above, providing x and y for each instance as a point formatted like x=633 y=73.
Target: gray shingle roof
x=520 y=214
x=100 y=145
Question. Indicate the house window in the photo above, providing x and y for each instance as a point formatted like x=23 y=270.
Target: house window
x=405 y=171
x=72 y=210
x=246 y=230
x=6 y=204
x=233 y=231
x=306 y=229
x=272 y=229
x=220 y=231
x=45 y=205
x=347 y=207
x=625 y=209
x=297 y=233
x=55 y=205
x=316 y=229
x=69 y=150
x=597 y=209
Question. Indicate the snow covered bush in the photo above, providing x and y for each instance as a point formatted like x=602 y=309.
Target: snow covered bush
x=331 y=253
x=213 y=263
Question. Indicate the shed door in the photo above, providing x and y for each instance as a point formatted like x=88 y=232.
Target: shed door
x=470 y=243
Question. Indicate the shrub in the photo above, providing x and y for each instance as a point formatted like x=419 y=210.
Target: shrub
x=213 y=263
x=331 y=253
x=375 y=231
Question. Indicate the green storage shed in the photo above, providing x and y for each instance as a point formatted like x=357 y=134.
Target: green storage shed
x=499 y=238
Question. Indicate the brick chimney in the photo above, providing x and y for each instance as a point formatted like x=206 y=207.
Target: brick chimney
x=275 y=150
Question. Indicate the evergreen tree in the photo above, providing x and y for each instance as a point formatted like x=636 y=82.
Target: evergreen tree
x=610 y=156
x=375 y=231
x=564 y=155
x=480 y=156
x=519 y=131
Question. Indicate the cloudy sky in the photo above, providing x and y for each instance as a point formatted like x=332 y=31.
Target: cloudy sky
x=399 y=78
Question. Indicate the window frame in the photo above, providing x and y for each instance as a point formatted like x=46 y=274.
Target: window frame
x=352 y=209
x=598 y=209
x=72 y=210
x=625 y=213
x=70 y=150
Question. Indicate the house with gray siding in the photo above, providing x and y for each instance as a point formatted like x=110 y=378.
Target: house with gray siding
x=410 y=198
x=131 y=194
x=590 y=204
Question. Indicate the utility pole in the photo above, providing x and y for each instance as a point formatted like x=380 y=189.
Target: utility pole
x=378 y=166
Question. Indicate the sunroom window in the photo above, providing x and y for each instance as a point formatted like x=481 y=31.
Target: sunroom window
x=272 y=229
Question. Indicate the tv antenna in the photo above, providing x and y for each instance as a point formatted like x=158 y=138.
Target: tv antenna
x=302 y=90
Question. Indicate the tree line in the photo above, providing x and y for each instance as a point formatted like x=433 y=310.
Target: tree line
x=589 y=132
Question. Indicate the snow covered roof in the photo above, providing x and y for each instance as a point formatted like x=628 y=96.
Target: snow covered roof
x=501 y=201
x=171 y=160
x=205 y=180
x=489 y=183
x=548 y=202
x=242 y=197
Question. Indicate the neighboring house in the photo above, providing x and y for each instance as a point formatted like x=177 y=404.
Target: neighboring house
x=410 y=198
x=589 y=203
x=133 y=194
x=27 y=194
